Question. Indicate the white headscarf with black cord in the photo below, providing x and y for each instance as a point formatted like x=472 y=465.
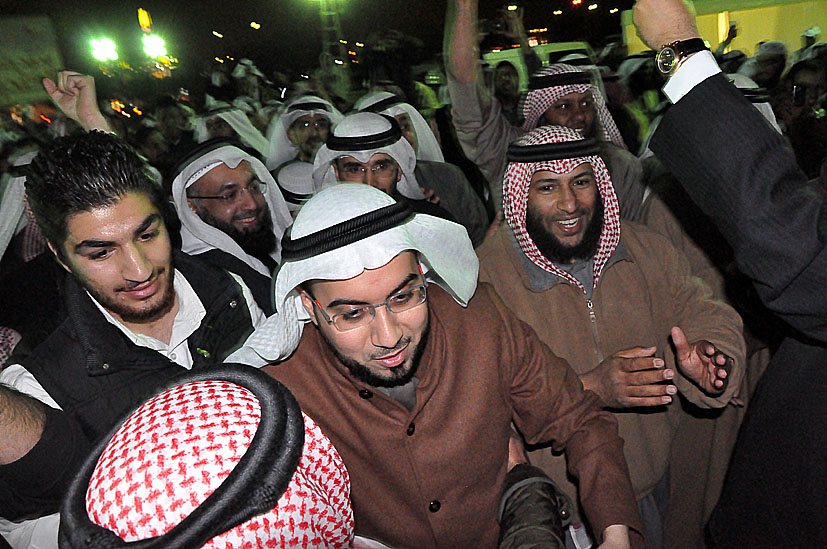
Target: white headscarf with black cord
x=361 y=135
x=340 y=232
x=382 y=102
x=280 y=148
x=196 y=235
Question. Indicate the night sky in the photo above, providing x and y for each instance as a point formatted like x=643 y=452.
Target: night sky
x=290 y=35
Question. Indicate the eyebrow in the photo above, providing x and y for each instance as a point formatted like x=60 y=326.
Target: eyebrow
x=94 y=243
x=408 y=279
x=586 y=171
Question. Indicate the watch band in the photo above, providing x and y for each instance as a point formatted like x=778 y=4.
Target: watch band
x=671 y=56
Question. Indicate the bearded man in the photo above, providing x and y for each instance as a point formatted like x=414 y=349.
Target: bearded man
x=613 y=301
x=416 y=382
x=136 y=315
x=232 y=213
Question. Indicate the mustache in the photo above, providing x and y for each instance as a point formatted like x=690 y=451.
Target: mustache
x=401 y=344
x=247 y=213
x=152 y=278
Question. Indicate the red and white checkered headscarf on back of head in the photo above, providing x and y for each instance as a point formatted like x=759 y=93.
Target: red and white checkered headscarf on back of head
x=515 y=201
x=537 y=102
x=177 y=449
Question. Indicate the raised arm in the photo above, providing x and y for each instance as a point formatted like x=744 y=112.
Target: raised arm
x=743 y=175
x=74 y=94
x=460 y=43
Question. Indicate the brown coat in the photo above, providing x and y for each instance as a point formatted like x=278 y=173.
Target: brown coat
x=431 y=477
x=644 y=291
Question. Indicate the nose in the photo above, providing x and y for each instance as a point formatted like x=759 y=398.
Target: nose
x=578 y=115
x=247 y=200
x=136 y=266
x=385 y=330
x=567 y=200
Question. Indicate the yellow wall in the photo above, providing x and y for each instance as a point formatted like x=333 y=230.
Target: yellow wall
x=784 y=22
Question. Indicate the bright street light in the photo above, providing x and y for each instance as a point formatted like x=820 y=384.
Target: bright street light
x=154 y=46
x=103 y=49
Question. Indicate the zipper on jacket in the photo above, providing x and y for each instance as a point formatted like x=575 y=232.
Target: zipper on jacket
x=593 y=324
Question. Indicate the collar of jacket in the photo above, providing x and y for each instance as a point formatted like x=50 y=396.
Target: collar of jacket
x=539 y=280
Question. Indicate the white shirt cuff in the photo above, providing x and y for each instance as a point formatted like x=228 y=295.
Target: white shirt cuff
x=692 y=72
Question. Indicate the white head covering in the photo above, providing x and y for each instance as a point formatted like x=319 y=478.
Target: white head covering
x=237 y=119
x=296 y=182
x=382 y=102
x=546 y=87
x=389 y=140
x=196 y=235
x=12 y=200
x=518 y=180
x=445 y=252
x=280 y=148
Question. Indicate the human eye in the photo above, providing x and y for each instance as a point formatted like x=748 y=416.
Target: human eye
x=382 y=166
x=353 y=169
x=562 y=105
x=351 y=317
x=149 y=235
x=101 y=253
x=229 y=196
x=402 y=298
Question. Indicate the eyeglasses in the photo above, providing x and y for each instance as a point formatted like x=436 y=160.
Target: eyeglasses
x=322 y=124
x=383 y=170
x=359 y=317
x=255 y=188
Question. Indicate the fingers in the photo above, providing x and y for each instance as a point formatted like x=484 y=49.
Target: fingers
x=680 y=341
x=49 y=86
x=636 y=352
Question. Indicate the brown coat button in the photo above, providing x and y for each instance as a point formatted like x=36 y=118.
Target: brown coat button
x=411 y=429
x=364 y=393
x=434 y=506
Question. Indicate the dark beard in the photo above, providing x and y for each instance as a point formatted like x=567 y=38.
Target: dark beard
x=258 y=242
x=130 y=315
x=557 y=252
x=398 y=376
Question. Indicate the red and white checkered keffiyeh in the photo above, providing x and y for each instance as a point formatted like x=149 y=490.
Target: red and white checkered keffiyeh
x=537 y=102
x=9 y=339
x=178 y=447
x=33 y=242
x=515 y=191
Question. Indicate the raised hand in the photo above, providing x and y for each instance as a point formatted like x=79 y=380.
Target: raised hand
x=74 y=94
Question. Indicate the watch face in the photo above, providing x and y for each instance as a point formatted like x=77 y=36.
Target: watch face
x=666 y=59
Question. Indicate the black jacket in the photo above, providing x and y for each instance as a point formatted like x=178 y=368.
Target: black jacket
x=745 y=177
x=97 y=375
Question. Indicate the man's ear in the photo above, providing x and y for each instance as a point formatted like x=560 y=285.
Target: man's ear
x=57 y=257
x=307 y=303
x=191 y=204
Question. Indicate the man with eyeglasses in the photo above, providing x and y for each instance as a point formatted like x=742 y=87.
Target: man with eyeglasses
x=232 y=213
x=415 y=375
x=297 y=132
x=370 y=148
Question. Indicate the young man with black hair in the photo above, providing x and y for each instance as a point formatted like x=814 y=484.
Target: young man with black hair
x=138 y=314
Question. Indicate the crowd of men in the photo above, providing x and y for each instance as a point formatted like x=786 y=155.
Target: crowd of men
x=574 y=319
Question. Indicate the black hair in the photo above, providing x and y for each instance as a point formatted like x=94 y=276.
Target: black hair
x=79 y=173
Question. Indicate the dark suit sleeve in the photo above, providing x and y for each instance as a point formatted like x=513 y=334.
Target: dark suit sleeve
x=744 y=175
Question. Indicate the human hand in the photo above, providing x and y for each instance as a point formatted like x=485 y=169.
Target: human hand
x=514 y=21
x=701 y=362
x=615 y=536
x=430 y=195
x=661 y=22
x=74 y=94
x=632 y=377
